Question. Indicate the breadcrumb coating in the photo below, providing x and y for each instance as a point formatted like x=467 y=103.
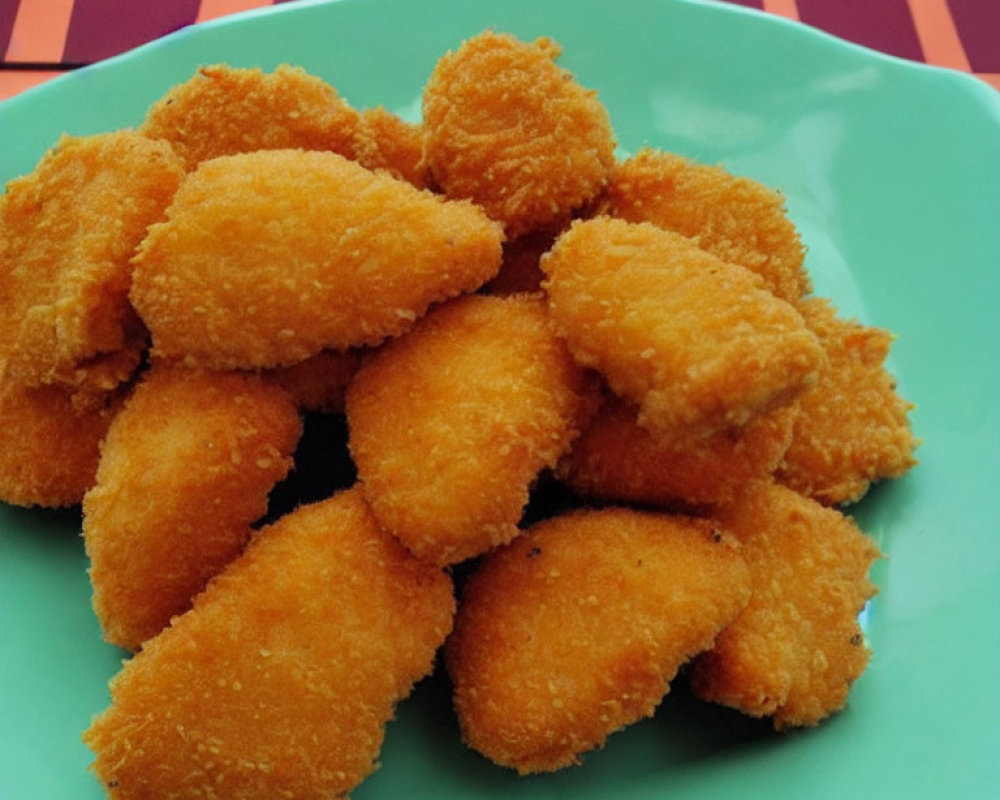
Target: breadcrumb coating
x=520 y=271
x=223 y=110
x=451 y=423
x=510 y=129
x=577 y=628
x=318 y=384
x=795 y=650
x=734 y=218
x=279 y=681
x=852 y=428
x=49 y=449
x=386 y=141
x=68 y=231
x=185 y=470
x=615 y=458
x=268 y=258
x=696 y=343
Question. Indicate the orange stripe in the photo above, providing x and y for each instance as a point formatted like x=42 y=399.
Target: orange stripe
x=14 y=81
x=783 y=8
x=39 y=32
x=210 y=9
x=992 y=78
x=938 y=35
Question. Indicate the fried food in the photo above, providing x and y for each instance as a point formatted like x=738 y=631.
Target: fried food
x=224 y=110
x=696 y=343
x=734 y=218
x=507 y=127
x=795 y=650
x=386 y=141
x=49 y=449
x=318 y=384
x=67 y=233
x=280 y=679
x=852 y=428
x=268 y=258
x=577 y=628
x=451 y=423
x=519 y=270
x=185 y=470
x=615 y=458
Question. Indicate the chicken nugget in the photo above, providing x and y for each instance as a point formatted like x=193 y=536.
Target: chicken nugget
x=224 y=110
x=852 y=428
x=697 y=343
x=386 y=141
x=451 y=423
x=268 y=258
x=318 y=384
x=49 y=449
x=734 y=218
x=279 y=681
x=795 y=650
x=577 y=628
x=68 y=231
x=615 y=458
x=507 y=127
x=520 y=271
x=185 y=470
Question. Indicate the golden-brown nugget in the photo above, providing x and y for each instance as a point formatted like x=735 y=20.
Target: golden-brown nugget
x=49 y=449
x=185 y=470
x=520 y=271
x=576 y=629
x=697 y=343
x=386 y=141
x=852 y=428
x=795 y=650
x=615 y=458
x=68 y=232
x=268 y=258
x=506 y=126
x=451 y=423
x=224 y=110
x=280 y=679
x=318 y=384
x=735 y=218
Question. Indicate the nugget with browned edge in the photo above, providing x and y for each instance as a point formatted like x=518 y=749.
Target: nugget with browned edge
x=733 y=217
x=267 y=258
x=577 y=628
x=451 y=423
x=280 y=679
x=386 y=141
x=510 y=129
x=852 y=428
x=698 y=344
x=795 y=650
x=185 y=470
x=68 y=232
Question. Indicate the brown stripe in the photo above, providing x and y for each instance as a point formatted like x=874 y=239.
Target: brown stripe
x=8 y=10
x=885 y=25
x=102 y=28
x=978 y=23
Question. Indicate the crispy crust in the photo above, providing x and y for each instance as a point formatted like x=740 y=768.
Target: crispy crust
x=386 y=141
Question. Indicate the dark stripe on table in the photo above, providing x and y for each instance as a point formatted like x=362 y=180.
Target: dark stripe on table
x=102 y=28
x=885 y=25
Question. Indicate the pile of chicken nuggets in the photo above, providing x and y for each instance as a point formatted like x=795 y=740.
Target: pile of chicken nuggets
x=490 y=296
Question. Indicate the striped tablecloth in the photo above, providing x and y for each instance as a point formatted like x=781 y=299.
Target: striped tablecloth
x=41 y=38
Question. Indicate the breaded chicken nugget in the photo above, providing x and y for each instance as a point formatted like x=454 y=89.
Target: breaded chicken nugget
x=508 y=128
x=576 y=629
x=49 y=449
x=520 y=271
x=67 y=233
x=318 y=384
x=386 y=141
x=794 y=652
x=451 y=423
x=268 y=258
x=697 y=343
x=185 y=470
x=615 y=458
x=224 y=110
x=852 y=428
x=734 y=218
x=280 y=679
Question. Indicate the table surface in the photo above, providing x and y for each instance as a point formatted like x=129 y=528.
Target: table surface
x=42 y=38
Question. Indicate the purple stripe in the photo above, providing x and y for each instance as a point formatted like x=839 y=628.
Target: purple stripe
x=102 y=28
x=978 y=24
x=885 y=25
x=8 y=11
x=758 y=4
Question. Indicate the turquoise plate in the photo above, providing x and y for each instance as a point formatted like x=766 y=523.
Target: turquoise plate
x=892 y=173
